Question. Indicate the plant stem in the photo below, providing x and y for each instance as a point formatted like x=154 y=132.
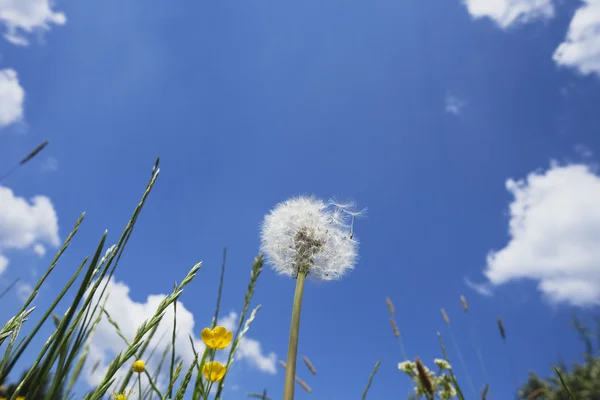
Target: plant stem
x=140 y=384
x=290 y=371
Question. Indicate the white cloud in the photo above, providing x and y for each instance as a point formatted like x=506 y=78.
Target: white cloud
x=508 y=12
x=39 y=250
x=50 y=164
x=129 y=314
x=554 y=232
x=3 y=264
x=483 y=289
x=26 y=224
x=454 y=105
x=581 y=48
x=26 y=16
x=12 y=96
x=24 y=290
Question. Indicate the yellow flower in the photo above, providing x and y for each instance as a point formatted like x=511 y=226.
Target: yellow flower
x=217 y=338
x=122 y=396
x=20 y=397
x=214 y=371
x=139 y=366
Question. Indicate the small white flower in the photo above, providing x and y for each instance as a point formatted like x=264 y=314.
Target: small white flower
x=442 y=364
x=407 y=366
x=307 y=231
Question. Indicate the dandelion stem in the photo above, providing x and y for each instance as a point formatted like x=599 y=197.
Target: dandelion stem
x=290 y=371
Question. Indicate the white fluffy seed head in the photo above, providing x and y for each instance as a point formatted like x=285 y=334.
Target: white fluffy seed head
x=307 y=230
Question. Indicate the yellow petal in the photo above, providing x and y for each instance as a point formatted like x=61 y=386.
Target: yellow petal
x=208 y=337
x=214 y=371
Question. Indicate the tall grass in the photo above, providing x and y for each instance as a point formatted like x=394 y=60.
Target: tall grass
x=54 y=372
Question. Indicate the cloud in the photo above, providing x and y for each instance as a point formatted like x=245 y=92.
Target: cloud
x=554 y=230
x=581 y=48
x=50 y=164
x=129 y=314
x=26 y=16
x=26 y=224
x=24 y=290
x=454 y=105
x=12 y=96
x=483 y=289
x=509 y=12
x=3 y=264
x=39 y=250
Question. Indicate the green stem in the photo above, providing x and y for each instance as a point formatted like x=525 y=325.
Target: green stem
x=290 y=371
x=140 y=385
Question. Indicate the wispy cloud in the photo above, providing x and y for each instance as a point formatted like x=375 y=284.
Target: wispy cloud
x=50 y=164
x=454 y=105
x=484 y=289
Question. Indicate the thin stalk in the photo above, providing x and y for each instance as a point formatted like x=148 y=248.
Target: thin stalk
x=9 y=287
x=452 y=376
x=140 y=385
x=171 y=381
x=364 y=395
x=290 y=371
x=563 y=383
x=462 y=361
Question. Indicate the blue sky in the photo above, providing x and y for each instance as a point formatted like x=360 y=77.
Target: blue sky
x=421 y=110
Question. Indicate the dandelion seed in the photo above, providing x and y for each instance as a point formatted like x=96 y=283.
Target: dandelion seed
x=390 y=305
x=445 y=316
x=214 y=371
x=217 y=338
x=139 y=366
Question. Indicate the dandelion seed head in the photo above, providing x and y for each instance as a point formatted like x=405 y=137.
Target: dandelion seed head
x=307 y=231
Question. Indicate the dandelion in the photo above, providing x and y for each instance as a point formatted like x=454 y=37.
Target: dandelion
x=125 y=395
x=139 y=366
x=306 y=236
x=217 y=338
x=214 y=371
